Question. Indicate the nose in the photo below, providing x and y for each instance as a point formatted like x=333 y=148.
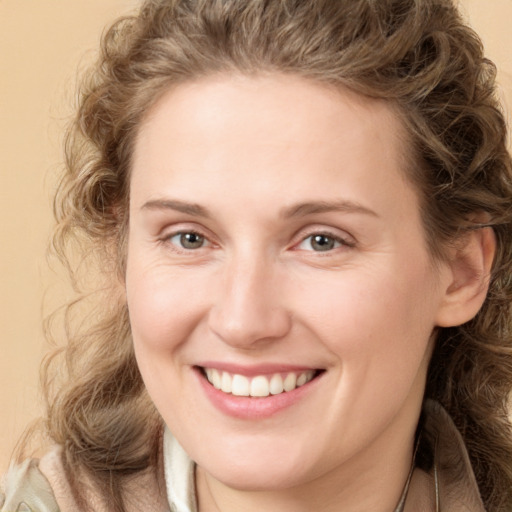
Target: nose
x=249 y=310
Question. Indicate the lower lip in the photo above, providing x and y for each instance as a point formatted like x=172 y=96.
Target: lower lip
x=251 y=408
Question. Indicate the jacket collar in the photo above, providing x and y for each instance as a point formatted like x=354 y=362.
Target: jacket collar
x=443 y=479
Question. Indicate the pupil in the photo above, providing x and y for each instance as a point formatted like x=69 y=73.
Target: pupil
x=191 y=240
x=322 y=243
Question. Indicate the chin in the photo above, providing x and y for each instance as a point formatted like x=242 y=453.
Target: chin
x=267 y=474
x=253 y=481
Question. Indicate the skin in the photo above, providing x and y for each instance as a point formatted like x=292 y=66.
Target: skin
x=247 y=151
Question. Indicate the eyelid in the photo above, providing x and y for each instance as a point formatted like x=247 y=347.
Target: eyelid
x=172 y=228
x=340 y=236
x=344 y=238
x=206 y=242
x=175 y=230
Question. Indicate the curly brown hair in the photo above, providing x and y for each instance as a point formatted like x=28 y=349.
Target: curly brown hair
x=420 y=56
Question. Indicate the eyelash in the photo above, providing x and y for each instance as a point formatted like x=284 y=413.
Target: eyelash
x=333 y=241
x=336 y=240
x=169 y=239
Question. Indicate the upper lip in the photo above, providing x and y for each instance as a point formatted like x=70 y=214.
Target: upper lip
x=254 y=370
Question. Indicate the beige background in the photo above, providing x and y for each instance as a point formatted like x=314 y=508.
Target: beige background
x=42 y=44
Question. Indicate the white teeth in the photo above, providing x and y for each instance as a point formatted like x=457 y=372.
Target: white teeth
x=215 y=379
x=290 y=382
x=240 y=385
x=226 y=382
x=276 y=384
x=259 y=386
x=302 y=379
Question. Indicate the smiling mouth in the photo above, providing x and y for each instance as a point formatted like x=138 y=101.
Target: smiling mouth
x=260 y=385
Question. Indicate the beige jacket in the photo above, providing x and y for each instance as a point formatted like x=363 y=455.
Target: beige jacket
x=42 y=486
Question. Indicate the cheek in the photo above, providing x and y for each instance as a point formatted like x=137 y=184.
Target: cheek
x=151 y=316
x=164 y=305
x=382 y=317
x=379 y=329
x=164 y=310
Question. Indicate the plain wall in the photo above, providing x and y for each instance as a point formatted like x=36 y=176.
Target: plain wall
x=42 y=43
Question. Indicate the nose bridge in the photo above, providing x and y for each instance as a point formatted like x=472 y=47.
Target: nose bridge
x=249 y=307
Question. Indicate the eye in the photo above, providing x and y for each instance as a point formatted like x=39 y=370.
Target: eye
x=188 y=240
x=322 y=242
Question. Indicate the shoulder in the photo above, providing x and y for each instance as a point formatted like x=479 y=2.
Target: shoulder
x=45 y=486
x=26 y=489
x=38 y=485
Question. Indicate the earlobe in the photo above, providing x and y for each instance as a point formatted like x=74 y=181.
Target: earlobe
x=470 y=267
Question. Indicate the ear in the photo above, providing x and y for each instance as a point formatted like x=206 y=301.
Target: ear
x=469 y=267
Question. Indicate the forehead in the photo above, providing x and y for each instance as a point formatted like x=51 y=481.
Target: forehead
x=226 y=130
x=249 y=104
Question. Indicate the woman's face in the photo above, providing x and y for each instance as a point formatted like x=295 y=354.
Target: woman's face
x=274 y=242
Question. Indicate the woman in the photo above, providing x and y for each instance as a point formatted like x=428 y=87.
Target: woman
x=302 y=212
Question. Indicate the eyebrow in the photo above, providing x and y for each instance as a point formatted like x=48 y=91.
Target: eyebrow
x=310 y=208
x=296 y=210
x=179 y=206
